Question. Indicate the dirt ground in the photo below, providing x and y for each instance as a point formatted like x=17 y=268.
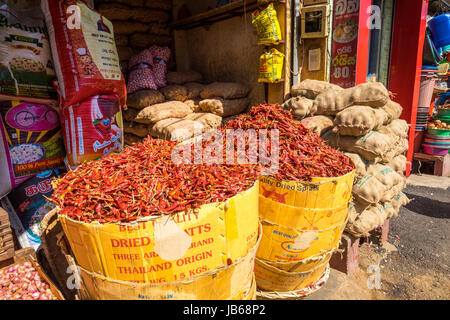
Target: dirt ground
x=414 y=264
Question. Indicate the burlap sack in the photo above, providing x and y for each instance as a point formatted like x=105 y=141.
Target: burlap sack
x=300 y=106
x=331 y=102
x=397 y=128
x=177 y=129
x=312 y=88
x=138 y=129
x=147 y=15
x=318 y=124
x=373 y=146
x=136 y=3
x=399 y=201
x=130 y=138
x=144 y=40
x=121 y=40
x=194 y=89
x=160 y=29
x=182 y=77
x=226 y=90
x=393 y=111
x=360 y=164
x=125 y=53
x=115 y=11
x=392 y=181
x=129 y=27
x=399 y=147
x=194 y=104
x=144 y=98
x=209 y=120
x=160 y=111
x=130 y=114
x=367 y=220
x=398 y=163
x=369 y=190
x=158 y=4
x=175 y=92
x=224 y=107
x=356 y=121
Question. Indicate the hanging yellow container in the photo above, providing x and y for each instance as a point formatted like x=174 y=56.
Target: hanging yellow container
x=271 y=66
x=302 y=225
x=167 y=248
x=267 y=26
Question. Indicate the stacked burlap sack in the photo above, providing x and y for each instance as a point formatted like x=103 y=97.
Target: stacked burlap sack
x=364 y=123
x=183 y=109
x=138 y=24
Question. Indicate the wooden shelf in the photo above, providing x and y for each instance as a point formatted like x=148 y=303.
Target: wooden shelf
x=225 y=12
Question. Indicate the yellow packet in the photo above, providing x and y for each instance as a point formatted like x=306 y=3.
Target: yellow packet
x=271 y=66
x=267 y=26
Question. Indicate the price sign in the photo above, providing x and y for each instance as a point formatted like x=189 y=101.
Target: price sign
x=345 y=41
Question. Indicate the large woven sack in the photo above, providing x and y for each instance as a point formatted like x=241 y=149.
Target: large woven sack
x=115 y=11
x=160 y=111
x=331 y=102
x=369 y=190
x=125 y=53
x=194 y=104
x=356 y=121
x=367 y=220
x=194 y=89
x=360 y=164
x=182 y=77
x=129 y=27
x=373 y=146
x=226 y=90
x=121 y=40
x=300 y=106
x=393 y=181
x=177 y=129
x=130 y=114
x=144 y=98
x=318 y=124
x=175 y=92
x=147 y=15
x=399 y=201
x=51 y=233
x=209 y=120
x=312 y=88
x=159 y=29
x=130 y=139
x=399 y=146
x=138 y=129
x=224 y=107
x=393 y=111
x=398 y=163
x=397 y=128
x=141 y=41
x=157 y=4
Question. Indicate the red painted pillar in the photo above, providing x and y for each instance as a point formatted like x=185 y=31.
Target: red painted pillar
x=362 y=58
x=406 y=61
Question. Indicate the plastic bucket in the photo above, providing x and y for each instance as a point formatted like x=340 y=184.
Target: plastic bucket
x=435 y=151
x=427 y=83
x=440 y=30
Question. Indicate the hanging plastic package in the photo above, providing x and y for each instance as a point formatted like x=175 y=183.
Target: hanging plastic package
x=84 y=52
x=271 y=66
x=267 y=26
x=26 y=67
x=31 y=141
x=29 y=204
x=92 y=128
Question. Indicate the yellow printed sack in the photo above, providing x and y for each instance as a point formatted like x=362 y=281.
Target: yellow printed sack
x=267 y=26
x=271 y=66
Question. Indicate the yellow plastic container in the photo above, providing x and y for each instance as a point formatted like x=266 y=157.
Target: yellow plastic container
x=233 y=282
x=302 y=226
x=168 y=248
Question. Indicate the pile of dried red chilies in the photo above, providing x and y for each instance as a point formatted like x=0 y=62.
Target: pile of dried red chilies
x=144 y=181
x=302 y=154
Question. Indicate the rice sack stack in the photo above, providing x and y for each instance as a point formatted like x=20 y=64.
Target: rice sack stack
x=171 y=112
x=364 y=122
x=142 y=226
x=303 y=205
